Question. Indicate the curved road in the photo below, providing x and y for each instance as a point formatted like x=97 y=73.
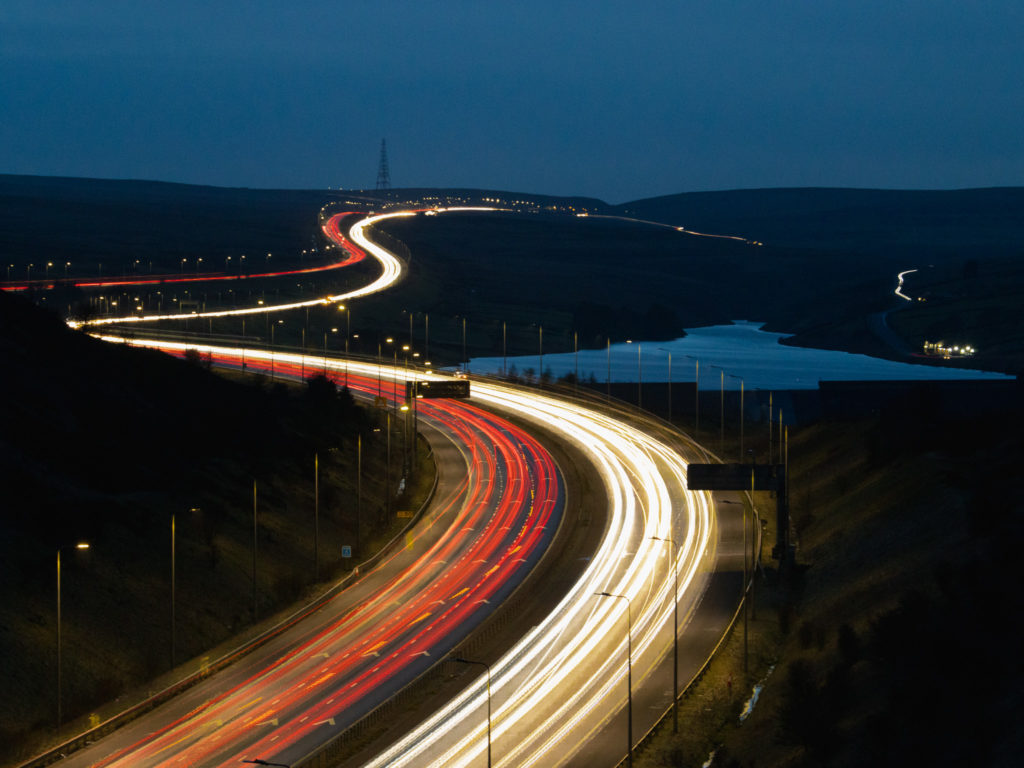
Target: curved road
x=497 y=508
x=557 y=688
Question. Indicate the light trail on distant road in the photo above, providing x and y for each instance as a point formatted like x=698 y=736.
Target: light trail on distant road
x=391 y=272
x=330 y=229
x=667 y=226
x=899 y=284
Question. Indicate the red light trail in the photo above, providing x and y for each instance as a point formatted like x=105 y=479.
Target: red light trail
x=331 y=230
x=477 y=544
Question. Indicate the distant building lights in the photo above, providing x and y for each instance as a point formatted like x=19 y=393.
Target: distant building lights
x=947 y=351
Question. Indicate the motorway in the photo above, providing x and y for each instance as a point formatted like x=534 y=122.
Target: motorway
x=558 y=688
x=496 y=509
x=565 y=680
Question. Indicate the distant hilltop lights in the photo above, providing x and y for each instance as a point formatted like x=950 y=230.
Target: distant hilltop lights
x=941 y=349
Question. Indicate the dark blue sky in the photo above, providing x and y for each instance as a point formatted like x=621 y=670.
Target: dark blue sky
x=611 y=99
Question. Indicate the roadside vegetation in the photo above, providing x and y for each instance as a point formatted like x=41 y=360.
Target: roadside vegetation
x=892 y=640
x=103 y=444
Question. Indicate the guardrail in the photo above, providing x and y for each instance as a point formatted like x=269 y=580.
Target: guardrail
x=629 y=410
x=702 y=670
x=123 y=718
x=327 y=754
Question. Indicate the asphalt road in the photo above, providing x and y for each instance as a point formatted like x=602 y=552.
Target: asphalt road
x=495 y=511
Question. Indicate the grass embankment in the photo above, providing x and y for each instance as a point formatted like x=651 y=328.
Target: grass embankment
x=104 y=444
x=892 y=642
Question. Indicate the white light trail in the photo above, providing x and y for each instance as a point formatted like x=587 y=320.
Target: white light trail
x=899 y=285
x=566 y=677
x=391 y=272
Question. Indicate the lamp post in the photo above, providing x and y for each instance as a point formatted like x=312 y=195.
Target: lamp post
x=173 y=589
x=348 y=324
x=359 y=486
x=576 y=361
x=742 y=397
x=743 y=590
x=255 y=531
x=257 y=761
x=670 y=386
x=740 y=380
x=675 y=631
x=174 y=586
x=669 y=381
x=721 y=411
x=540 y=354
x=629 y=671
x=696 y=398
x=487 y=666
x=378 y=370
x=387 y=468
x=608 y=379
x=639 y=376
x=60 y=708
x=316 y=516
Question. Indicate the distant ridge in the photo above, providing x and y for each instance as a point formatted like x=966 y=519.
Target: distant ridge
x=987 y=221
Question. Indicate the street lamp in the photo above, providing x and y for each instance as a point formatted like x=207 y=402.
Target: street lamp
x=316 y=512
x=255 y=535
x=629 y=671
x=608 y=379
x=721 y=413
x=675 y=631
x=460 y=660
x=743 y=591
x=257 y=761
x=741 y=414
x=60 y=710
x=669 y=381
x=639 y=375
x=696 y=398
x=174 y=583
x=348 y=324
x=540 y=355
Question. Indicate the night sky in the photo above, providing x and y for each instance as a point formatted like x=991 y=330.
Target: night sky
x=609 y=99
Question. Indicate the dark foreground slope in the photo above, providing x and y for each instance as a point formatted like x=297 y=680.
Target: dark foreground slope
x=894 y=640
x=103 y=443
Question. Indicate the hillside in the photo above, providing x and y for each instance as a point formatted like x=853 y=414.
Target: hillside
x=906 y=521
x=893 y=641
x=103 y=443
x=967 y=245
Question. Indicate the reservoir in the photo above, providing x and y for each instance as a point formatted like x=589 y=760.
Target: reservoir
x=740 y=351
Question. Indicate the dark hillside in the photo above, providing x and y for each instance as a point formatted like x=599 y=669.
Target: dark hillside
x=103 y=443
x=605 y=277
x=894 y=224
x=967 y=245
x=93 y=221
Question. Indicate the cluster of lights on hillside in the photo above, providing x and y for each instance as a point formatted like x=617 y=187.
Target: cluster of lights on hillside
x=947 y=351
